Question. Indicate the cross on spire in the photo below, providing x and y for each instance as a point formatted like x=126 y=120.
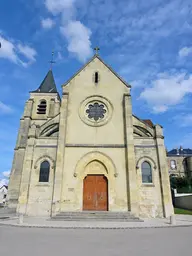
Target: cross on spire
x=96 y=50
x=52 y=60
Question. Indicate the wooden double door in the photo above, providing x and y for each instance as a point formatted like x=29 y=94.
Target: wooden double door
x=95 y=193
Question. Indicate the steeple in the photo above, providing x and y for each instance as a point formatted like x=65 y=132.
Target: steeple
x=48 y=84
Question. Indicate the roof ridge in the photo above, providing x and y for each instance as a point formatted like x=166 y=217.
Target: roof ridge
x=87 y=63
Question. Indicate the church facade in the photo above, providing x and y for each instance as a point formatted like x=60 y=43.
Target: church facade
x=86 y=151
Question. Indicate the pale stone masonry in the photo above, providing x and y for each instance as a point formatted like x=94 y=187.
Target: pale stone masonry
x=89 y=132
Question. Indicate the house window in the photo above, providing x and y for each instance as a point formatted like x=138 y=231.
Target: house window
x=146 y=172
x=173 y=164
x=44 y=172
x=41 y=109
x=96 y=77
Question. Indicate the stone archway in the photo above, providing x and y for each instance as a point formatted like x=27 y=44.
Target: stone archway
x=96 y=163
x=110 y=168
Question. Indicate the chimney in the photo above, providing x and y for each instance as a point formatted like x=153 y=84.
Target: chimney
x=177 y=151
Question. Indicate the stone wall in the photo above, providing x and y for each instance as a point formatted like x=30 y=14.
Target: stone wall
x=150 y=199
x=184 y=201
x=40 y=195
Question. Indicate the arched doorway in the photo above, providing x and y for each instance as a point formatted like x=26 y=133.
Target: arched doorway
x=95 y=193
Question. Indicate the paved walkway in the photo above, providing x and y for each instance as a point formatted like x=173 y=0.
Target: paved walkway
x=95 y=242
x=181 y=220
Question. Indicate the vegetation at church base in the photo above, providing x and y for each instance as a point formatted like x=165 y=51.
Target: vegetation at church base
x=182 y=211
x=182 y=184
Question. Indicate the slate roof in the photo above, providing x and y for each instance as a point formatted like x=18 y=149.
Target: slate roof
x=185 y=151
x=48 y=84
x=4 y=186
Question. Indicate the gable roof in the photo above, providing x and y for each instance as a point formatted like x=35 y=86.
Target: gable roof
x=98 y=57
x=48 y=84
x=182 y=152
x=4 y=186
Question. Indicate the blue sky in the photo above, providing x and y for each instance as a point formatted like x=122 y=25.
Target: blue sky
x=147 y=42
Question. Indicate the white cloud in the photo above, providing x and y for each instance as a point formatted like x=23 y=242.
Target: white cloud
x=185 y=51
x=58 y=6
x=11 y=50
x=7 y=50
x=5 y=108
x=166 y=91
x=6 y=174
x=74 y=31
x=78 y=37
x=47 y=23
x=4 y=179
x=137 y=84
x=27 y=51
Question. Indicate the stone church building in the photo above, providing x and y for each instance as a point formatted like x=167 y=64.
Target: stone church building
x=86 y=151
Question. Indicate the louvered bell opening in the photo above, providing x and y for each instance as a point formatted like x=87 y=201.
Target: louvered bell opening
x=41 y=109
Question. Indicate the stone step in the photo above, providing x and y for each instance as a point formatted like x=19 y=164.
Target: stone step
x=98 y=219
x=96 y=213
x=95 y=216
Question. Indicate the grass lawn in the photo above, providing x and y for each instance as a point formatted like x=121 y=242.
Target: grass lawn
x=182 y=211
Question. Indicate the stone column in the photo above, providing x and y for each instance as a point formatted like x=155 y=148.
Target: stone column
x=59 y=170
x=19 y=154
x=57 y=107
x=164 y=175
x=26 y=173
x=28 y=108
x=132 y=188
x=52 y=108
x=15 y=178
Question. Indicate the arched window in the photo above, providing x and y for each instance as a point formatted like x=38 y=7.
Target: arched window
x=96 y=77
x=146 y=172
x=44 y=172
x=41 y=109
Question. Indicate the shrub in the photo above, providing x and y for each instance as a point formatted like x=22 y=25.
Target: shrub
x=180 y=182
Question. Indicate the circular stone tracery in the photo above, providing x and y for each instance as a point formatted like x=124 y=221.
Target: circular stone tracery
x=96 y=111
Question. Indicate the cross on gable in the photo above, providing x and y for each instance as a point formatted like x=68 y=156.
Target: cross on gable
x=96 y=50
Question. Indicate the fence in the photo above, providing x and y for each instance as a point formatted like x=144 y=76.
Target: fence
x=183 y=201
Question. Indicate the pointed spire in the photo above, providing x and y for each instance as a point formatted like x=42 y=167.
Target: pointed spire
x=48 y=84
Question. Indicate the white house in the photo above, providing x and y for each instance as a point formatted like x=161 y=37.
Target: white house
x=3 y=194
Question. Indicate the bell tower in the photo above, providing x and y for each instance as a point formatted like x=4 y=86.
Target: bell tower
x=43 y=104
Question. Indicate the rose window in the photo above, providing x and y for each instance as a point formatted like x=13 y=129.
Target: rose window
x=96 y=111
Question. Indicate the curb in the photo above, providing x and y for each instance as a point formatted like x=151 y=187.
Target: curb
x=91 y=227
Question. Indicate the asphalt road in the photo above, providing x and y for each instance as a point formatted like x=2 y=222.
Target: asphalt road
x=50 y=242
